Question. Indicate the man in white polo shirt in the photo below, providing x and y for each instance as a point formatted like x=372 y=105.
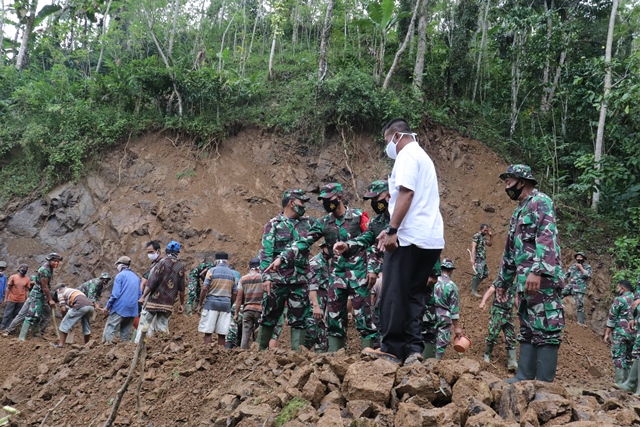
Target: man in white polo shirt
x=412 y=244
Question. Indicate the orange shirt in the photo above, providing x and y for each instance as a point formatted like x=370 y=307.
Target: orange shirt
x=17 y=286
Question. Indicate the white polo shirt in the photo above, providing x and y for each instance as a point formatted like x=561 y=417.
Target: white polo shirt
x=423 y=225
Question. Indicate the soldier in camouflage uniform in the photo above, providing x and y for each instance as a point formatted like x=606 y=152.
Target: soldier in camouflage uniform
x=290 y=283
x=234 y=337
x=479 y=244
x=40 y=300
x=632 y=384
x=93 y=288
x=196 y=276
x=578 y=274
x=348 y=272
x=447 y=303
x=532 y=267
x=318 y=293
x=619 y=332
x=501 y=320
x=430 y=318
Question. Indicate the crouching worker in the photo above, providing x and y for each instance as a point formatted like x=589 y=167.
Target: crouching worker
x=78 y=308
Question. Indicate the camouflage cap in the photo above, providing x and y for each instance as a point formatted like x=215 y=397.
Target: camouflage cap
x=295 y=193
x=448 y=264
x=519 y=171
x=329 y=190
x=376 y=188
x=105 y=276
x=580 y=253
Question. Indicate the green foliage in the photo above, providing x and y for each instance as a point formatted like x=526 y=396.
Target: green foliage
x=626 y=251
x=291 y=410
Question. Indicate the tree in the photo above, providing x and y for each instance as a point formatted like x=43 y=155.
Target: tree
x=326 y=29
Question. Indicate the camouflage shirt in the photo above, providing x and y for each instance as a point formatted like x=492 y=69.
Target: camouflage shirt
x=319 y=273
x=578 y=280
x=481 y=246
x=197 y=274
x=367 y=240
x=44 y=274
x=445 y=294
x=532 y=245
x=508 y=304
x=92 y=289
x=279 y=233
x=620 y=314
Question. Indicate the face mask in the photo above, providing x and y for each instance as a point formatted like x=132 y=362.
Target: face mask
x=22 y=272
x=299 y=209
x=153 y=256
x=391 y=149
x=121 y=267
x=330 y=205
x=379 y=206
x=514 y=192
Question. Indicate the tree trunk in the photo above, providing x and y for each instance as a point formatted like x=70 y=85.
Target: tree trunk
x=26 y=35
x=544 y=103
x=224 y=35
x=253 y=35
x=172 y=35
x=104 y=31
x=2 y=18
x=402 y=48
x=324 y=38
x=515 y=85
x=481 y=51
x=421 y=49
x=273 y=52
x=605 y=101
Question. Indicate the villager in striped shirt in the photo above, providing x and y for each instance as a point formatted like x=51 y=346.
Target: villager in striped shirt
x=250 y=298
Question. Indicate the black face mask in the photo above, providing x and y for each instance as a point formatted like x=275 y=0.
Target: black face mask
x=514 y=192
x=22 y=272
x=330 y=205
x=580 y=261
x=379 y=206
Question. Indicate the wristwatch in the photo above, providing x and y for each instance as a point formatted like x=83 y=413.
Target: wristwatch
x=391 y=230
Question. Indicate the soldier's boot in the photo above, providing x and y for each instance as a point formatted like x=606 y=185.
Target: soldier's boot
x=621 y=375
x=429 y=351
x=24 y=331
x=264 y=336
x=637 y=393
x=512 y=362
x=488 y=349
x=366 y=342
x=335 y=344
x=546 y=363
x=228 y=345
x=188 y=309
x=526 y=364
x=581 y=318
x=631 y=383
x=297 y=338
x=37 y=330
x=474 y=287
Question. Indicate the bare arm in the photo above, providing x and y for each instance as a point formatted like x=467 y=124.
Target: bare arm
x=473 y=251
x=486 y=296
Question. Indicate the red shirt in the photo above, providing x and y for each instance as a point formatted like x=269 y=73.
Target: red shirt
x=17 y=288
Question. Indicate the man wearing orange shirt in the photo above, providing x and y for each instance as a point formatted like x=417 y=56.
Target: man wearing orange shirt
x=16 y=294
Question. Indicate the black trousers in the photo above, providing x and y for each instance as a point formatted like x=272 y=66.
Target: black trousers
x=402 y=301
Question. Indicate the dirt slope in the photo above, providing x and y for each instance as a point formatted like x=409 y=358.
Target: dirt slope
x=158 y=188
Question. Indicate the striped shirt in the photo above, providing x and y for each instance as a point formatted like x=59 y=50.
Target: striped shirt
x=251 y=287
x=73 y=298
x=220 y=281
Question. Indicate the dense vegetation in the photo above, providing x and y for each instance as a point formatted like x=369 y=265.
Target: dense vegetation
x=537 y=80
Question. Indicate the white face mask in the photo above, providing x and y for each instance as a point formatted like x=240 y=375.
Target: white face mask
x=391 y=149
x=121 y=267
x=153 y=256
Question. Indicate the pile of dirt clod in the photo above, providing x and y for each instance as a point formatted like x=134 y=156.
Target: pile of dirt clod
x=192 y=384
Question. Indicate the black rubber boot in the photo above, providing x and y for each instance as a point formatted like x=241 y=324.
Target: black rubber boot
x=546 y=362
x=527 y=364
x=264 y=336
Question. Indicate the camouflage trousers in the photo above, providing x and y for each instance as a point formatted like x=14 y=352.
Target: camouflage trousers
x=234 y=336
x=37 y=306
x=296 y=297
x=635 y=352
x=501 y=321
x=193 y=293
x=578 y=297
x=443 y=338
x=278 y=329
x=482 y=271
x=541 y=317
x=316 y=337
x=622 y=346
x=337 y=310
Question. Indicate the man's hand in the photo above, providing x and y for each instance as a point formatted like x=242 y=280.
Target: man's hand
x=632 y=325
x=458 y=333
x=580 y=267
x=274 y=266
x=607 y=338
x=141 y=300
x=199 y=309
x=482 y=305
x=180 y=309
x=266 y=286
x=532 y=285
x=340 y=247
x=501 y=294
x=387 y=243
x=235 y=318
x=371 y=279
x=317 y=313
x=52 y=303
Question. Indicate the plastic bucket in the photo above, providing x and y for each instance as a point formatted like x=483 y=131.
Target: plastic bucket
x=462 y=344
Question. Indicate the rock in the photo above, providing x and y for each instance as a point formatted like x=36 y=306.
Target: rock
x=515 y=400
x=588 y=424
x=369 y=381
x=548 y=406
x=489 y=208
x=627 y=417
x=248 y=409
x=314 y=390
x=475 y=407
x=327 y=376
x=293 y=423
x=24 y=223
x=11 y=382
x=468 y=386
x=420 y=383
x=611 y=404
x=43 y=368
x=485 y=419
x=228 y=402
x=300 y=376
x=71 y=354
x=334 y=397
x=330 y=418
x=359 y=408
x=340 y=365
x=91 y=344
x=451 y=370
x=363 y=422
x=410 y=415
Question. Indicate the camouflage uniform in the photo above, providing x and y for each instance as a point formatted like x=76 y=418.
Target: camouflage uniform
x=532 y=247
x=278 y=329
x=480 y=263
x=316 y=337
x=38 y=306
x=290 y=282
x=445 y=296
x=430 y=318
x=577 y=285
x=622 y=337
x=502 y=320
x=234 y=337
x=92 y=289
x=195 y=277
x=348 y=272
